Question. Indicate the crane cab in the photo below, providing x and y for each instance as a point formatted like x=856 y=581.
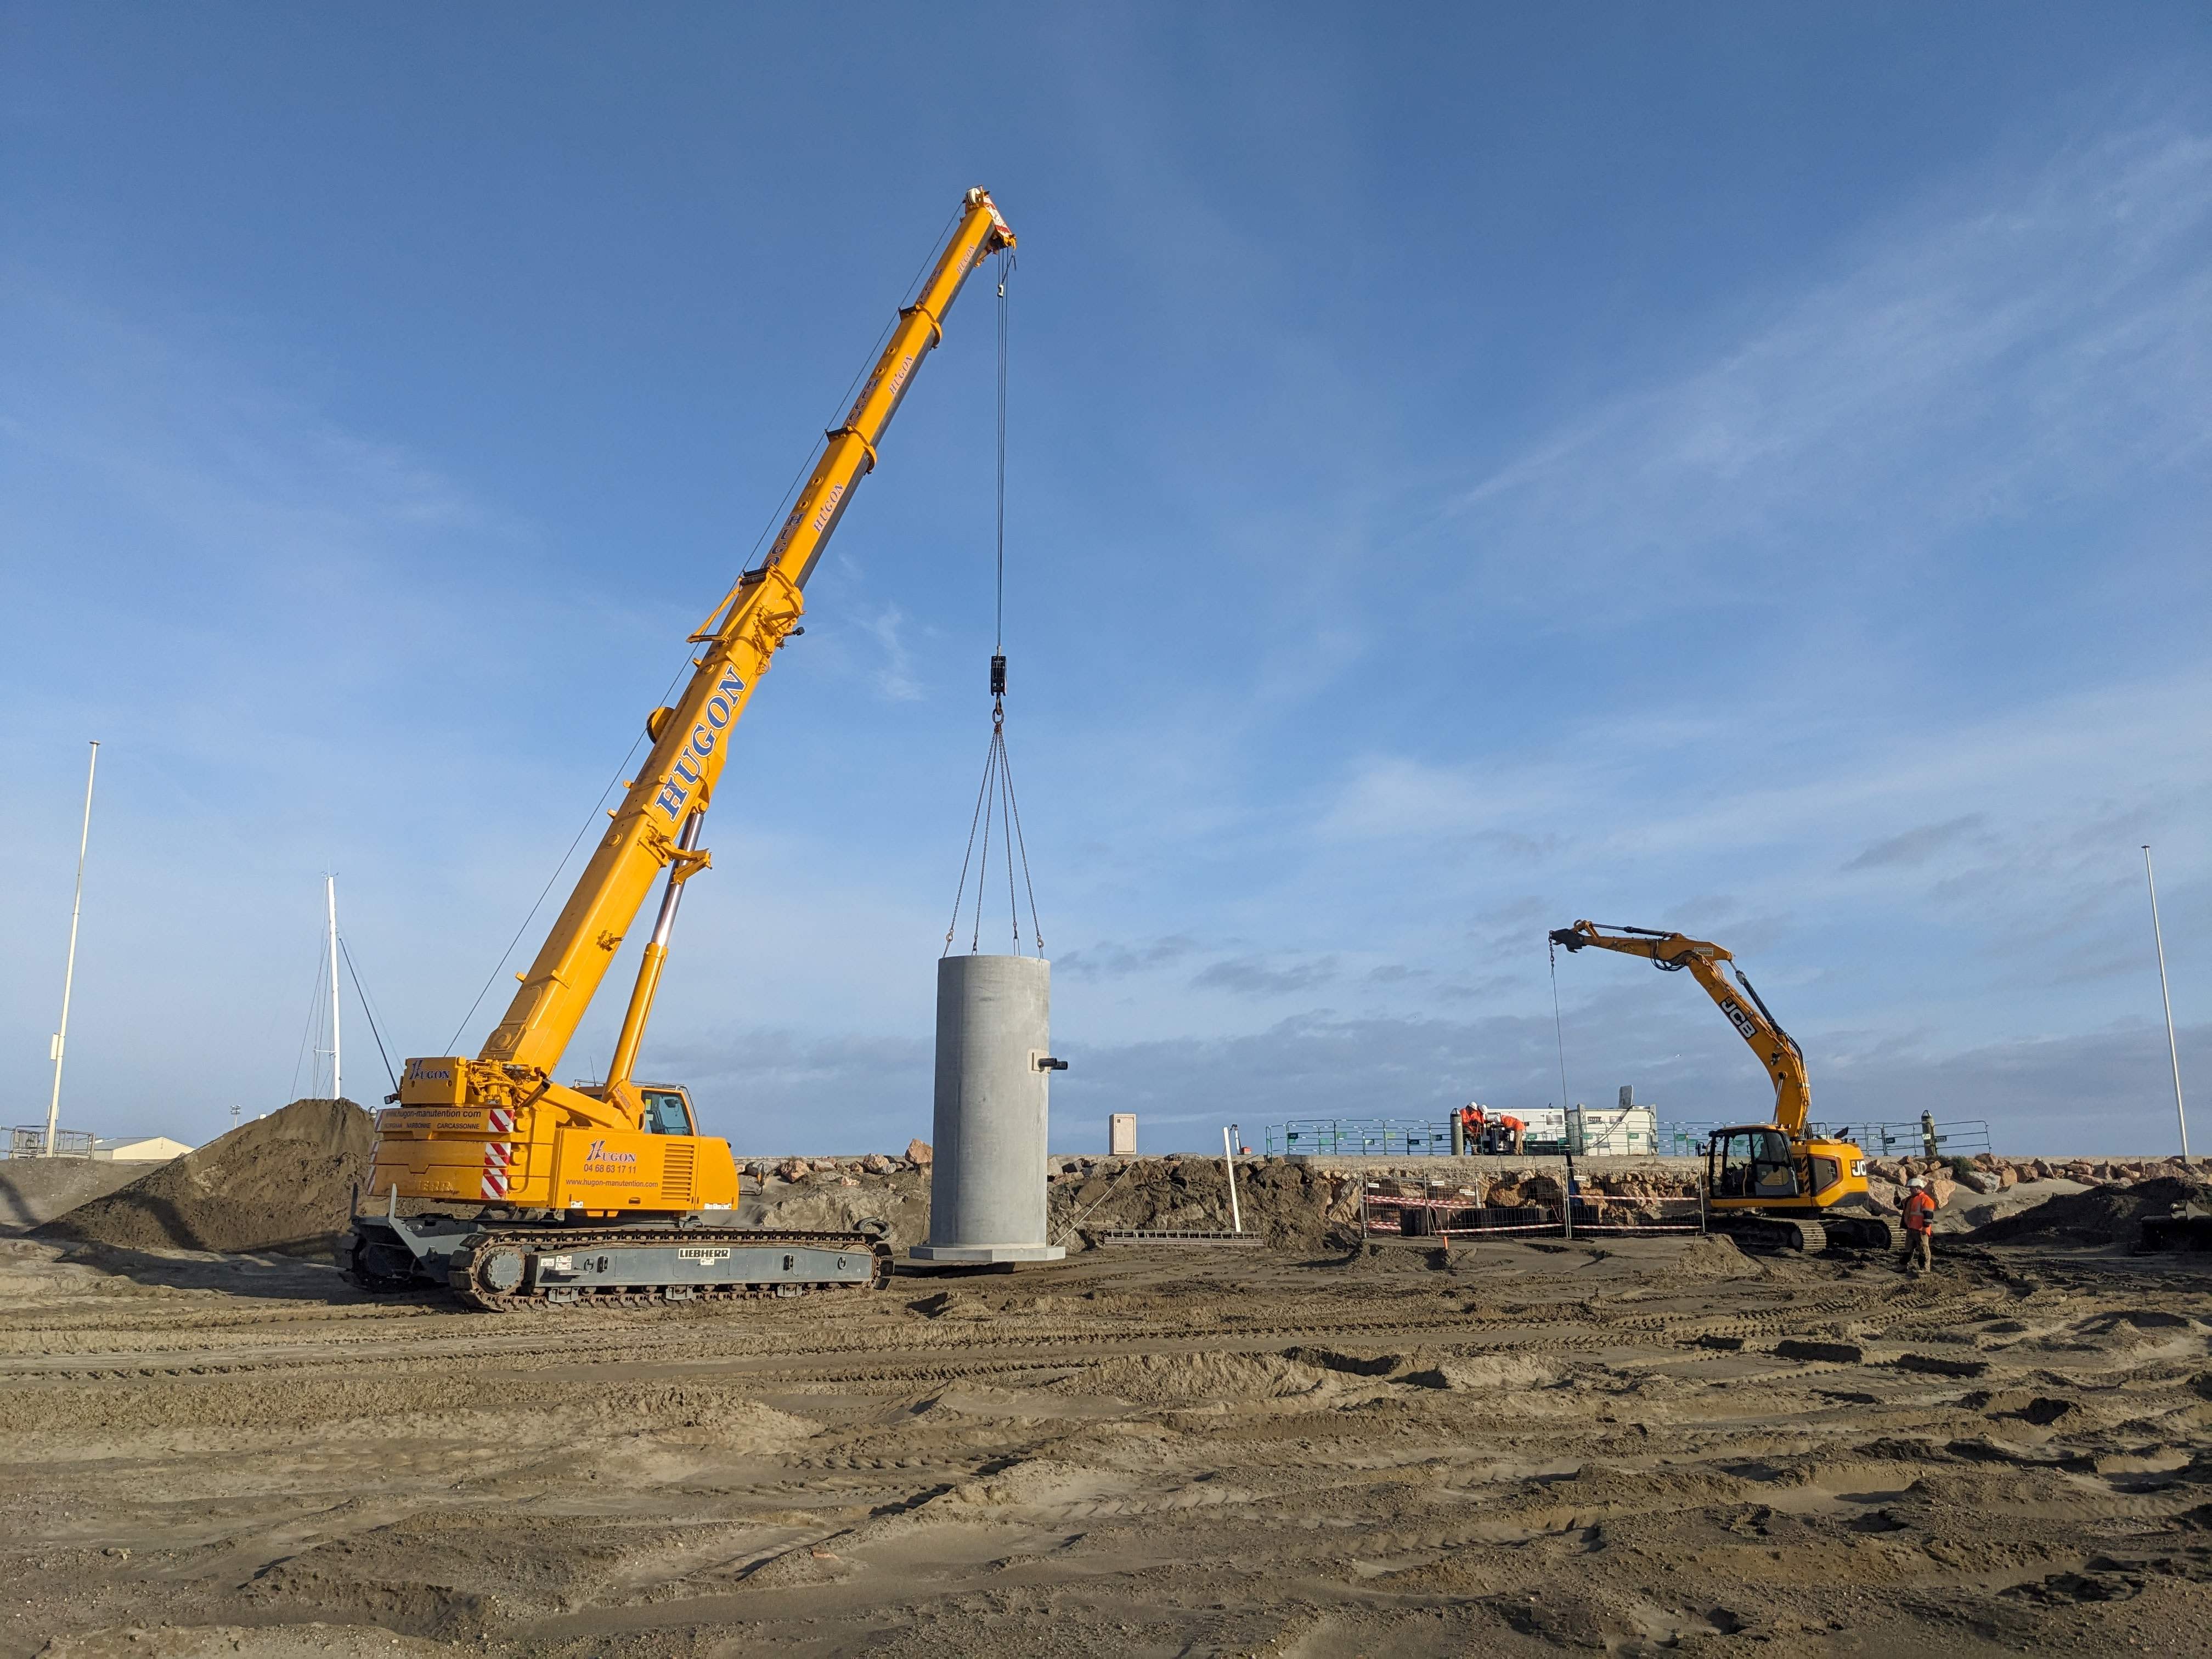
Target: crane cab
x=667 y=1106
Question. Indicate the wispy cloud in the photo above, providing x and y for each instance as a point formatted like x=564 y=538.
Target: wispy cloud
x=1917 y=845
x=1258 y=977
x=1110 y=959
x=2008 y=346
x=895 y=680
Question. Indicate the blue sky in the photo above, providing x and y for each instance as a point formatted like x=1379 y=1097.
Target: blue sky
x=1744 y=471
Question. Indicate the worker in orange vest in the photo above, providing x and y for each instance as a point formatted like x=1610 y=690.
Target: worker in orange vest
x=1919 y=1226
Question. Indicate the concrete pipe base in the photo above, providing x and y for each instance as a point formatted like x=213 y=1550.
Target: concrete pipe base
x=974 y=1253
x=986 y=1187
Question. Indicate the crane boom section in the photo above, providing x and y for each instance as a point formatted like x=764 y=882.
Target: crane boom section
x=1776 y=1050
x=691 y=740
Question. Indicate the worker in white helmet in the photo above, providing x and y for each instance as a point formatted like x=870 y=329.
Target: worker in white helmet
x=1919 y=1226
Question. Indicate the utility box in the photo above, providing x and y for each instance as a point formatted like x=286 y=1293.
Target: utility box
x=1121 y=1134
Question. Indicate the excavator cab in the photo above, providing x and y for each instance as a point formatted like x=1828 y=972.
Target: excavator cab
x=1751 y=1163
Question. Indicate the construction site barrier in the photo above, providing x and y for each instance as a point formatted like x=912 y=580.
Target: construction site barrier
x=1441 y=1210
x=1954 y=1138
x=1360 y=1137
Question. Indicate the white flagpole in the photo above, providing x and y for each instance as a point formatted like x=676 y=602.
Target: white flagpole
x=338 y=1081
x=69 y=974
x=2172 y=1050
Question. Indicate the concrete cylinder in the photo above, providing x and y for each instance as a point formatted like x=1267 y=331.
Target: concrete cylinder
x=986 y=1187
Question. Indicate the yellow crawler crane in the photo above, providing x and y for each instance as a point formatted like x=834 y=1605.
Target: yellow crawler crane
x=1774 y=1184
x=608 y=1193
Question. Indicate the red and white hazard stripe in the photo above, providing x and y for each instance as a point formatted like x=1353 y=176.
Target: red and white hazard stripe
x=498 y=1155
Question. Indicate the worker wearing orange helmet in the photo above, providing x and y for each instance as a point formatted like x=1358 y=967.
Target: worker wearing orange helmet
x=1919 y=1226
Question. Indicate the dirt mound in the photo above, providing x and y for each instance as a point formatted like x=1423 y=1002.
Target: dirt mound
x=1294 y=1205
x=1166 y=1379
x=823 y=1203
x=281 y=1183
x=2103 y=1215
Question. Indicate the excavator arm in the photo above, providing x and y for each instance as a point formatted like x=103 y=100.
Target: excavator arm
x=656 y=826
x=1776 y=1050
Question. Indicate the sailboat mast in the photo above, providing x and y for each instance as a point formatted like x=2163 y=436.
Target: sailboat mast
x=338 y=1081
x=69 y=974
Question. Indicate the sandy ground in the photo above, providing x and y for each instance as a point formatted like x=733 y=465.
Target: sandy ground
x=1532 y=1449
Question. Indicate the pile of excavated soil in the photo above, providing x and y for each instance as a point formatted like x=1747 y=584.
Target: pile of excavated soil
x=35 y=1189
x=829 y=1201
x=281 y=1183
x=1296 y=1207
x=2103 y=1215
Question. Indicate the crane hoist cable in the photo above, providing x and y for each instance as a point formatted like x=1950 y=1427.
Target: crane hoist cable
x=996 y=808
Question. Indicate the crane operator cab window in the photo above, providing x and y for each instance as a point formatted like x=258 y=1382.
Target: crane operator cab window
x=1753 y=1163
x=666 y=1114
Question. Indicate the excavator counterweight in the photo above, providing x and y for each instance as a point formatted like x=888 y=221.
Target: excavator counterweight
x=607 y=1192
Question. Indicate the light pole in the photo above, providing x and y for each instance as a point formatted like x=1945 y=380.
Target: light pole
x=69 y=974
x=2172 y=1050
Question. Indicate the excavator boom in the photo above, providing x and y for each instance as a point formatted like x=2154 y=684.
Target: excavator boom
x=1776 y=1050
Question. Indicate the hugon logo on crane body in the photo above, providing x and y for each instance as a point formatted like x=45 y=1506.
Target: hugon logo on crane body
x=721 y=709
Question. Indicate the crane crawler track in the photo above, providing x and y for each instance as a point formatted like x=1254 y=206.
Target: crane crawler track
x=470 y=1283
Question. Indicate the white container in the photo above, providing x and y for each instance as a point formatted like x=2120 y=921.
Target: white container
x=1121 y=1134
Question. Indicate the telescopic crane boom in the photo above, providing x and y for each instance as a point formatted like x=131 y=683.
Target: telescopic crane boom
x=607 y=1191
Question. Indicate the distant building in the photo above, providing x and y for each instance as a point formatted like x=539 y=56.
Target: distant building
x=150 y=1149
x=1606 y=1129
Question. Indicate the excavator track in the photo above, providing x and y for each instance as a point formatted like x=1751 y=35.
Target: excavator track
x=1773 y=1232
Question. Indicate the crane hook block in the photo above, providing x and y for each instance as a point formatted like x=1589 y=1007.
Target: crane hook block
x=999 y=676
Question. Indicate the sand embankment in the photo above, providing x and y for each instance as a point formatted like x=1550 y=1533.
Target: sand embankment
x=281 y=1183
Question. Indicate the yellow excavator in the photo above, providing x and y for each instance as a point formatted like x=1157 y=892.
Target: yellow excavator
x=607 y=1194
x=1777 y=1183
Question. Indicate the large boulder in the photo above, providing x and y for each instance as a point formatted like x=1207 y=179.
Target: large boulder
x=919 y=1153
x=1941 y=1190
x=2008 y=1178
x=1888 y=1193
x=1984 y=1182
